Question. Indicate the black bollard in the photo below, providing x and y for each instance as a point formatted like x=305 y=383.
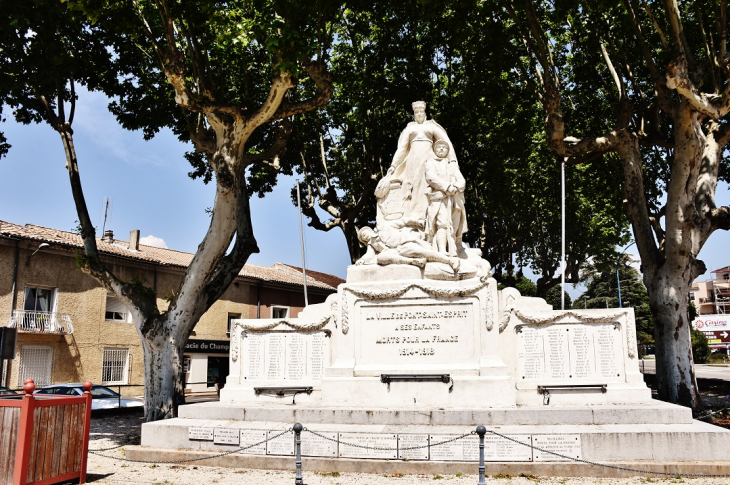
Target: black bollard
x=481 y=431
x=298 y=479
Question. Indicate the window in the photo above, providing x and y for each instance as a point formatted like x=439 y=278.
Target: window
x=115 y=366
x=232 y=316
x=35 y=363
x=279 y=312
x=116 y=311
x=38 y=299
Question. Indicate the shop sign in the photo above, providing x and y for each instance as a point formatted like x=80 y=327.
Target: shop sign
x=715 y=327
x=208 y=346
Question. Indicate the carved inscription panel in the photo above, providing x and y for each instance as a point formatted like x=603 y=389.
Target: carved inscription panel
x=570 y=352
x=413 y=332
x=280 y=356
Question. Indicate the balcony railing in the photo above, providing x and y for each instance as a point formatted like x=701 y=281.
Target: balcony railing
x=41 y=322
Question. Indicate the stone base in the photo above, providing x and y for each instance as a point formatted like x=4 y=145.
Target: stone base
x=658 y=469
x=652 y=437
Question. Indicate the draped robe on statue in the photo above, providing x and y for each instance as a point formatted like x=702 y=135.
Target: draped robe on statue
x=415 y=146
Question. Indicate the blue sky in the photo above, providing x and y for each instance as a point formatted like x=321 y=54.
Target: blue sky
x=151 y=191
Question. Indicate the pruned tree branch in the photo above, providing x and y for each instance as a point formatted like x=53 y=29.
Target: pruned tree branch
x=322 y=80
x=710 y=105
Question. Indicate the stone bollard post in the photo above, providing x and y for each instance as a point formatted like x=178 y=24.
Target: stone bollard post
x=481 y=431
x=298 y=479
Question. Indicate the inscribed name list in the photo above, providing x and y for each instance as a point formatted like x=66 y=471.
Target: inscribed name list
x=368 y=445
x=319 y=444
x=577 y=352
x=280 y=356
x=253 y=441
x=566 y=445
x=427 y=333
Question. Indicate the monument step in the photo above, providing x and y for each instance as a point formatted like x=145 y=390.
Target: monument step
x=311 y=465
x=655 y=412
x=695 y=441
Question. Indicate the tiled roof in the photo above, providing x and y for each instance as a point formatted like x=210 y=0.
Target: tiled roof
x=330 y=279
x=279 y=273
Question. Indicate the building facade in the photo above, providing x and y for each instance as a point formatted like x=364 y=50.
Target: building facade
x=712 y=300
x=70 y=329
x=712 y=297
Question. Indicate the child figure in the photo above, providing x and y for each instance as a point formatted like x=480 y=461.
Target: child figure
x=445 y=217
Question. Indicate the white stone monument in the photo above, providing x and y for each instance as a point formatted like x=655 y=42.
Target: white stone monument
x=419 y=347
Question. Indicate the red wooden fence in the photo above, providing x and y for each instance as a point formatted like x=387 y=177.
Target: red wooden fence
x=44 y=439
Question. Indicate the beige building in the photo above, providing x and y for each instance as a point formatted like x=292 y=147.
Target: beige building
x=70 y=329
x=712 y=297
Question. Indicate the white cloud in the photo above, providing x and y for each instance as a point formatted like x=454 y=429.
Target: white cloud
x=156 y=242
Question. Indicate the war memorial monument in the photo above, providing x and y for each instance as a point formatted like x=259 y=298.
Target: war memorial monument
x=419 y=347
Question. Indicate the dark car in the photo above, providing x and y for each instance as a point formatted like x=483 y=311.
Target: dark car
x=4 y=391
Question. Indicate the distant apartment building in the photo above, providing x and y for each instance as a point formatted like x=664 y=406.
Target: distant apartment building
x=71 y=329
x=712 y=300
x=712 y=297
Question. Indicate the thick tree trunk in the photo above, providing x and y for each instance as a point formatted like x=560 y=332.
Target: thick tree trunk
x=669 y=302
x=163 y=359
x=353 y=243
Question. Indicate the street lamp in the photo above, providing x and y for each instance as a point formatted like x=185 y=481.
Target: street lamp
x=618 y=280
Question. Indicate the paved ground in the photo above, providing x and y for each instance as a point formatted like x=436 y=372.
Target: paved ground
x=118 y=429
x=703 y=371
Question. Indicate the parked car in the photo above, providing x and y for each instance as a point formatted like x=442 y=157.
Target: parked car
x=102 y=397
x=4 y=391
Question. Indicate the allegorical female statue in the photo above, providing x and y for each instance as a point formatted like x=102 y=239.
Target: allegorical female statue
x=420 y=215
x=407 y=171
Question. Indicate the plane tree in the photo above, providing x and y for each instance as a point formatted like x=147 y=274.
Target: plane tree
x=644 y=86
x=226 y=77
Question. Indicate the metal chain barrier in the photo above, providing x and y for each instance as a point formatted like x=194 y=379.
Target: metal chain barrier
x=481 y=430
x=379 y=448
x=175 y=462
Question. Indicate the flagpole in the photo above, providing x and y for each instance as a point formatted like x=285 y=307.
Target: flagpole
x=301 y=242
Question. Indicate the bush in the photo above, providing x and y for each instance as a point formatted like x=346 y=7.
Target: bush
x=700 y=347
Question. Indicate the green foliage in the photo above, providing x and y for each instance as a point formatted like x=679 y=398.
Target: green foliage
x=602 y=292
x=700 y=347
x=46 y=50
x=554 y=298
x=385 y=56
x=523 y=284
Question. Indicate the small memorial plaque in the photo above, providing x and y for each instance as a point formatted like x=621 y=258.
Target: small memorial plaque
x=281 y=445
x=368 y=445
x=567 y=445
x=462 y=449
x=253 y=437
x=413 y=447
x=226 y=436
x=200 y=434
x=497 y=448
x=314 y=445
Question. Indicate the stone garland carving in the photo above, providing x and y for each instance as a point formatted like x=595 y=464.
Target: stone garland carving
x=543 y=320
x=333 y=309
x=489 y=320
x=234 y=343
x=631 y=341
x=305 y=327
x=432 y=291
x=345 y=317
x=509 y=305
